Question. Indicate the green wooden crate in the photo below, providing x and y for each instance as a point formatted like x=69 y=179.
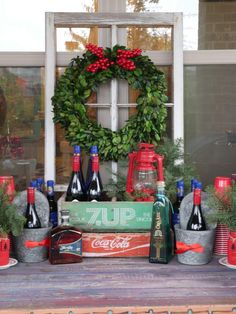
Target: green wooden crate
x=110 y=216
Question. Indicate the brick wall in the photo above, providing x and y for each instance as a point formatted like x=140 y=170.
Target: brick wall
x=217 y=25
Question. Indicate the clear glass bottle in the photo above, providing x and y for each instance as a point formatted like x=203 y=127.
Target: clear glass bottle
x=65 y=242
x=161 y=243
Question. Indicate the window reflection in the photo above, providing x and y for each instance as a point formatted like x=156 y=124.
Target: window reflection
x=22 y=124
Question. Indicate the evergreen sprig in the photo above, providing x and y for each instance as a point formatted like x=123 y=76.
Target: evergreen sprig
x=10 y=219
x=224 y=205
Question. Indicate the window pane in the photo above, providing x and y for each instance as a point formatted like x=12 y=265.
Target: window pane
x=22 y=124
x=158 y=38
x=210 y=130
x=75 y=39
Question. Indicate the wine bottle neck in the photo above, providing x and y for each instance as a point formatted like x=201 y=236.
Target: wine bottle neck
x=197 y=196
x=76 y=163
x=95 y=164
x=31 y=195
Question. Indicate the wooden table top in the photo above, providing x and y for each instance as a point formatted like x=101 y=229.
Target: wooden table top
x=114 y=282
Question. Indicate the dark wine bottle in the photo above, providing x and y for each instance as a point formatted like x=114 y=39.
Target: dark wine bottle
x=32 y=219
x=196 y=221
x=75 y=190
x=94 y=191
x=93 y=153
x=77 y=152
x=52 y=203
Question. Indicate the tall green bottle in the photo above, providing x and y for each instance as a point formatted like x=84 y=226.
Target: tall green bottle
x=161 y=244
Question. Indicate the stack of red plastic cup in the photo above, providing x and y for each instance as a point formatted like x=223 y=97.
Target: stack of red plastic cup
x=222 y=232
x=10 y=186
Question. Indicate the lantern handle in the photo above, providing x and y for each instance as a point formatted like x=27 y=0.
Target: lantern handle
x=160 y=171
x=129 y=182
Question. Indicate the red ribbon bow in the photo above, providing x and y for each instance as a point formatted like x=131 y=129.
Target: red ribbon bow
x=32 y=244
x=183 y=247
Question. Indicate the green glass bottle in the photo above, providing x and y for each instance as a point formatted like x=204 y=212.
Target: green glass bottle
x=161 y=245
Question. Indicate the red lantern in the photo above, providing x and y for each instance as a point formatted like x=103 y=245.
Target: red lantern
x=145 y=169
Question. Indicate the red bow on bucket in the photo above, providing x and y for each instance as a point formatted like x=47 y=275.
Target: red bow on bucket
x=32 y=244
x=183 y=247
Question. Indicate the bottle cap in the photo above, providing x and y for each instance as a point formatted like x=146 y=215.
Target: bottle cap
x=180 y=183
x=40 y=180
x=198 y=185
x=50 y=183
x=161 y=184
x=77 y=149
x=94 y=149
x=33 y=184
x=65 y=213
x=221 y=183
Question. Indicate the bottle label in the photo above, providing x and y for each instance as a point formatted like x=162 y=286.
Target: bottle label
x=157 y=236
x=73 y=248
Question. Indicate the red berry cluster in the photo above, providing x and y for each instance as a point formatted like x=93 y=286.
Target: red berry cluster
x=123 y=58
x=98 y=51
x=126 y=64
x=128 y=53
x=102 y=64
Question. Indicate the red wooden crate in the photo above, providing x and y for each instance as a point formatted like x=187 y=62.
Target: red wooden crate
x=116 y=244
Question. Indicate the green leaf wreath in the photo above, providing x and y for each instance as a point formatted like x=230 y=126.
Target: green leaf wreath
x=84 y=75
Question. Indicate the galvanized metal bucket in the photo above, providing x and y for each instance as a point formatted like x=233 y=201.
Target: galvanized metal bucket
x=198 y=246
x=32 y=245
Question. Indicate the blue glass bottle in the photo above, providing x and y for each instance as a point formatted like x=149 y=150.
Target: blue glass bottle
x=52 y=203
x=40 y=183
x=176 y=205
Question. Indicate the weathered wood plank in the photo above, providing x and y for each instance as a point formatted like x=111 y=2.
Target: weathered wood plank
x=68 y=19
x=115 y=282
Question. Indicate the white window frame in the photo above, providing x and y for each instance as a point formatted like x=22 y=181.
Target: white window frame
x=193 y=58
x=114 y=21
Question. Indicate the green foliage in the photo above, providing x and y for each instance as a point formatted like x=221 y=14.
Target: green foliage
x=10 y=220
x=77 y=84
x=177 y=165
x=224 y=205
